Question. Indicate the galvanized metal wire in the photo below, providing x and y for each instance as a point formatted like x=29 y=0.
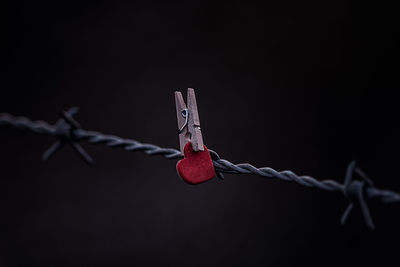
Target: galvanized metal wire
x=68 y=131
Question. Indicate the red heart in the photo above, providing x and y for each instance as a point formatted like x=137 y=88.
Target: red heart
x=196 y=167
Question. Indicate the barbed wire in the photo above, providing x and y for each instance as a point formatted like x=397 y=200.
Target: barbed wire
x=68 y=131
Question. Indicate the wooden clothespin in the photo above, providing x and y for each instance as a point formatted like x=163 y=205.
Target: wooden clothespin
x=188 y=121
x=197 y=166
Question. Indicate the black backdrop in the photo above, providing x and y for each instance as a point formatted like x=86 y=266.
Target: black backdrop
x=286 y=84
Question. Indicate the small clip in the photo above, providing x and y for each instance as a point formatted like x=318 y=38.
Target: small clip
x=197 y=166
x=188 y=121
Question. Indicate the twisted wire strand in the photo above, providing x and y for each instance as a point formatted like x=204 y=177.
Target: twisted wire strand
x=220 y=165
x=24 y=123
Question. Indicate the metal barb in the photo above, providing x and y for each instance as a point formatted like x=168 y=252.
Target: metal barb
x=64 y=130
x=355 y=192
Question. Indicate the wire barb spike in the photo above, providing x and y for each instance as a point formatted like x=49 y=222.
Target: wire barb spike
x=65 y=128
x=354 y=190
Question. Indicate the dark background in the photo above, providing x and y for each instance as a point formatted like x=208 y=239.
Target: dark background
x=306 y=86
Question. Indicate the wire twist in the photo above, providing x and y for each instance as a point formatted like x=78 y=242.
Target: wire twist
x=67 y=130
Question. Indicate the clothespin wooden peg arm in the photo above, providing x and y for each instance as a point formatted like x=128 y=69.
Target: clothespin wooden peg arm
x=196 y=138
x=182 y=117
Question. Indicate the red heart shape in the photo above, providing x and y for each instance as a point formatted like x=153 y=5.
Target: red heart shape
x=196 y=167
